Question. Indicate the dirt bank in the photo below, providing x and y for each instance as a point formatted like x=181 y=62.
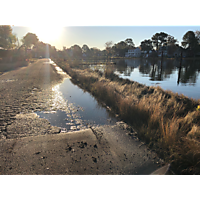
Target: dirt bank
x=167 y=122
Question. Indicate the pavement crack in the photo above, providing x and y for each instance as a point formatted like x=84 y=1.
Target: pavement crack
x=98 y=133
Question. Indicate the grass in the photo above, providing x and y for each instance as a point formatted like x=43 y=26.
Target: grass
x=167 y=122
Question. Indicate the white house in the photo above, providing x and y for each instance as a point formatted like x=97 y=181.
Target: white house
x=133 y=53
x=137 y=52
x=130 y=53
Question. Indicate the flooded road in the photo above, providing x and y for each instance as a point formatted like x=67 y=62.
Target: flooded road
x=74 y=109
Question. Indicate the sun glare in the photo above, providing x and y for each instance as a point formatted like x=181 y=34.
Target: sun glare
x=47 y=34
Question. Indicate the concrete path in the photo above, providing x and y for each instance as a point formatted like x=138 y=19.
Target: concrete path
x=81 y=152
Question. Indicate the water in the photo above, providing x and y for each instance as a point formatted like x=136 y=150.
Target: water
x=149 y=72
x=74 y=109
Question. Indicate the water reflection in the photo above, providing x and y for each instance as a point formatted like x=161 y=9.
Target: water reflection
x=73 y=109
x=160 y=71
x=166 y=72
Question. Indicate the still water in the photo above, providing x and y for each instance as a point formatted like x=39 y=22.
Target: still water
x=168 y=75
x=74 y=109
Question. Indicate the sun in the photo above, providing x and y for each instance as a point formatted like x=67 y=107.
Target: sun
x=47 y=33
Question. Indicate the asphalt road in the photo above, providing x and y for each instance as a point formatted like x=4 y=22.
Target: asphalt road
x=30 y=145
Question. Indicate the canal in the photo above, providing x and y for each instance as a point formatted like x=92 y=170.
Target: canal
x=167 y=74
x=74 y=109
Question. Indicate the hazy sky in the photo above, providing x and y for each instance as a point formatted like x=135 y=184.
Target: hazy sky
x=97 y=36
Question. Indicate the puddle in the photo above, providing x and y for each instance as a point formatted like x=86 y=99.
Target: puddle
x=74 y=109
x=58 y=69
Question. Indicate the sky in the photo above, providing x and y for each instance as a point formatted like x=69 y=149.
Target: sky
x=97 y=36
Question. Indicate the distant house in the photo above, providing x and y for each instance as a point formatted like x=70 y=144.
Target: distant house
x=133 y=53
x=129 y=53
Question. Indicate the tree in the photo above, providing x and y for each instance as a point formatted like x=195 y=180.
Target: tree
x=85 y=50
x=190 y=42
x=108 y=46
x=29 y=40
x=197 y=34
x=95 y=52
x=121 y=48
x=146 y=45
x=7 y=39
x=77 y=51
x=172 y=45
x=159 y=39
x=171 y=40
x=130 y=43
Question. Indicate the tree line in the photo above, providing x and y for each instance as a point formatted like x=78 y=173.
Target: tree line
x=190 y=43
x=32 y=47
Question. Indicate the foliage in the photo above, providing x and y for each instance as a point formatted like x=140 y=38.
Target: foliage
x=159 y=39
x=77 y=51
x=41 y=48
x=29 y=40
x=197 y=34
x=122 y=47
x=171 y=40
x=108 y=46
x=190 y=42
x=130 y=43
x=146 y=45
x=7 y=39
x=85 y=49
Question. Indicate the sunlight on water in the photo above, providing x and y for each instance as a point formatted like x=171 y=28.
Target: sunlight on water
x=71 y=108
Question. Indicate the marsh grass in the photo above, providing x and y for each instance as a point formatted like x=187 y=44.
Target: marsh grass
x=167 y=122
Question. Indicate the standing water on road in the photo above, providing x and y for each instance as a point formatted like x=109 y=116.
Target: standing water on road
x=74 y=109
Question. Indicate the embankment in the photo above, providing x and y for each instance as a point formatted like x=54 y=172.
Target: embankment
x=167 y=122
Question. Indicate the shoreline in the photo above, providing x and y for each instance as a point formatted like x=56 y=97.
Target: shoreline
x=166 y=122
